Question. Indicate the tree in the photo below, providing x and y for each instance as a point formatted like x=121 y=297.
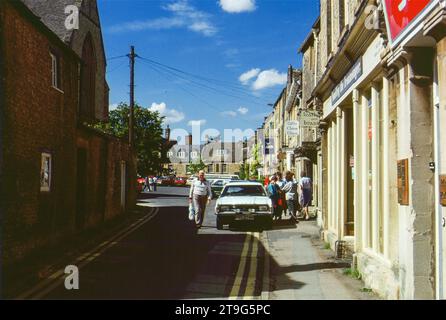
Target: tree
x=148 y=135
x=197 y=166
x=255 y=166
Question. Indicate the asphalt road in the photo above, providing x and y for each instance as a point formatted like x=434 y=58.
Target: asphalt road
x=168 y=258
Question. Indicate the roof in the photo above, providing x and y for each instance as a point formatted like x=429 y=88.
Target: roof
x=244 y=183
x=52 y=14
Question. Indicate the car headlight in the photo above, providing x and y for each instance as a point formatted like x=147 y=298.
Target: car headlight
x=263 y=208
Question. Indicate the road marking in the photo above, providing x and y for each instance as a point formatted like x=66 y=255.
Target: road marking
x=252 y=275
x=55 y=279
x=241 y=268
x=266 y=268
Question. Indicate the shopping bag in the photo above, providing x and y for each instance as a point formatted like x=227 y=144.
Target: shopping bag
x=191 y=212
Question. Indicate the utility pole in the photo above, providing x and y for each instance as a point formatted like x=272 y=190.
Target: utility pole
x=132 y=56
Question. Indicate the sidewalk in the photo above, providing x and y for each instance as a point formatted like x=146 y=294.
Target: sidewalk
x=300 y=268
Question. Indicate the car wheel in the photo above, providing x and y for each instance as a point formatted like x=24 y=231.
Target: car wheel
x=219 y=223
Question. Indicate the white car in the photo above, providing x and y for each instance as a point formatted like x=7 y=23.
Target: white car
x=244 y=201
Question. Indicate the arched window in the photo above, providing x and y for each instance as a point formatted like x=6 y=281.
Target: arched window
x=88 y=79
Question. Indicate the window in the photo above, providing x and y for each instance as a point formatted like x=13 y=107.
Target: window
x=222 y=152
x=181 y=154
x=210 y=168
x=45 y=173
x=217 y=167
x=169 y=154
x=55 y=71
x=194 y=154
x=224 y=168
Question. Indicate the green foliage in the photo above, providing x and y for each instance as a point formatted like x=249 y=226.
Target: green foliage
x=148 y=135
x=255 y=166
x=354 y=273
x=366 y=290
x=327 y=246
x=194 y=168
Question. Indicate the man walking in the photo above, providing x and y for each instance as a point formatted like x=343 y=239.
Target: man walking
x=290 y=190
x=200 y=195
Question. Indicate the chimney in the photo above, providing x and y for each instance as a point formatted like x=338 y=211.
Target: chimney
x=189 y=140
x=168 y=133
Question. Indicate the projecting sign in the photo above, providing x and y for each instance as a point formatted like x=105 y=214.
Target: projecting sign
x=401 y=13
x=292 y=128
x=350 y=78
x=309 y=119
x=269 y=146
x=443 y=190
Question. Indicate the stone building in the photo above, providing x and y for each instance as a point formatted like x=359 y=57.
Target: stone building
x=379 y=86
x=59 y=176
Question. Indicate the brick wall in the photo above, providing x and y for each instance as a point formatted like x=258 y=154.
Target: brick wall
x=37 y=118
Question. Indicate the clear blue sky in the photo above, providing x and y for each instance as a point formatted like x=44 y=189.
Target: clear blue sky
x=216 y=39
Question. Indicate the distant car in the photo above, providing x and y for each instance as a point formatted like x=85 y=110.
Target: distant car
x=180 y=181
x=140 y=184
x=166 y=181
x=190 y=180
x=244 y=201
x=217 y=186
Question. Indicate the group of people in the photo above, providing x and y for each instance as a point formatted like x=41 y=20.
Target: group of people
x=150 y=184
x=289 y=195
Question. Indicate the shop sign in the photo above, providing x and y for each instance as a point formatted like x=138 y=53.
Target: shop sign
x=292 y=128
x=400 y=14
x=309 y=119
x=443 y=190
x=269 y=146
x=403 y=182
x=350 y=78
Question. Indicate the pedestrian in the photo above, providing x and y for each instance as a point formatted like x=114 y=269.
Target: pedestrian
x=146 y=184
x=306 y=194
x=155 y=183
x=282 y=200
x=150 y=184
x=274 y=195
x=290 y=190
x=200 y=195
x=266 y=182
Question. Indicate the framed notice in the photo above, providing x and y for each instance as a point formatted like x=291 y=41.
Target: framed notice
x=403 y=182
x=443 y=190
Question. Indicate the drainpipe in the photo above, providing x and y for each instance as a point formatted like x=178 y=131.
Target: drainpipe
x=438 y=210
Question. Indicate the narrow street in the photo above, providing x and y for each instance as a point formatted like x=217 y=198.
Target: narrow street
x=163 y=256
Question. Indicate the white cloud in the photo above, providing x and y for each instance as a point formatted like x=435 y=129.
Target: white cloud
x=171 y=115
x=243 y=110
x=183 y=16
x=269 y=78
x=229 y=113
x=113 y=106
x=237 y=6
x=193 y=123
x=244 y=78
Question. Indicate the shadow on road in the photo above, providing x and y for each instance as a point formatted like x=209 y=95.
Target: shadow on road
x=168 y=259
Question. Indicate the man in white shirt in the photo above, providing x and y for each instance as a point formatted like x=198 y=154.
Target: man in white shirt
x=200 y=195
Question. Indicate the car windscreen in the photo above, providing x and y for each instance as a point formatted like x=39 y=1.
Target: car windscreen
x=242 y=191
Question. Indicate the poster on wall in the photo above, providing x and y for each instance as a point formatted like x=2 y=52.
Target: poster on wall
x=401 y=13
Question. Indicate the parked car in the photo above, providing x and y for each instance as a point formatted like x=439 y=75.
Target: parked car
x=166 y=181
x=140 y=184
x=180 y=181
x=217 y=186
x=244 y=201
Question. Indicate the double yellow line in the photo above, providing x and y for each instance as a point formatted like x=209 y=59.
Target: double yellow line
x=237 y=291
